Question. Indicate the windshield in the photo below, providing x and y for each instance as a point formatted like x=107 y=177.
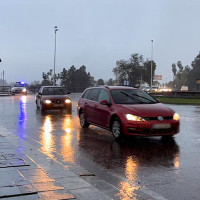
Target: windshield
x=53 y=91
x=132 y=96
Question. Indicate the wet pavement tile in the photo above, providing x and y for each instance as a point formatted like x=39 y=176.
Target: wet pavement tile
x=6 y=182
x=18 y=162
x=33 y=172
x=39 y=179
x=25 y=189
x=61 y=174
x=89 y=193
x=9 y=191
x=42 y=187
x=5 y=164
x=56 y=195
x=73 y=183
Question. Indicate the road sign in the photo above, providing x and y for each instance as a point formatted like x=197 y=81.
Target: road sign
x=157 y=77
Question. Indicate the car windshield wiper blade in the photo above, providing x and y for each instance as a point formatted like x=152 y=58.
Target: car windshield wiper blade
x=128 y=95
x=143 y=98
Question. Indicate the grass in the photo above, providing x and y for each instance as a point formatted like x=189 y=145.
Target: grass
x=183 y=101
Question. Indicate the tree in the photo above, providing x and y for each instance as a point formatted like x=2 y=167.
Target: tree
x=134 y=70
x=100 y=82
x=110 y=82
x=146 y=71
x=194 y=73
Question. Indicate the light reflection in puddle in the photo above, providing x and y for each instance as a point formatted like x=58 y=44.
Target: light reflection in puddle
x=128 y=188
x=47 y=139
x=67 y=150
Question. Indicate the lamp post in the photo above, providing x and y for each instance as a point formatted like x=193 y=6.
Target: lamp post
x=54 y=66
x=151 y=64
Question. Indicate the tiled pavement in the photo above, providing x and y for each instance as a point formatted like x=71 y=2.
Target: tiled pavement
x=27 y=174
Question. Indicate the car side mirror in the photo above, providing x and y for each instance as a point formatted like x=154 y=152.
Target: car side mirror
x=105 y=102
x=68 y=92
x=39 y=93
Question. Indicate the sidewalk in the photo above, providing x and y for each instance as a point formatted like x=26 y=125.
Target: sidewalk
x=28 y=174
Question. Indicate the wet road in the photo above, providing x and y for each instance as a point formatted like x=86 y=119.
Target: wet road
x=150 y=168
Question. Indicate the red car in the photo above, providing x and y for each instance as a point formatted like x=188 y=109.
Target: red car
x=126 y=111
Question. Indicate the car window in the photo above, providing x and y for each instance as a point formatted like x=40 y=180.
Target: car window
x=103 y=95
x=131 y=96
x=53 y=91
x=86 y=94
x=59 y=91
x=94 y=94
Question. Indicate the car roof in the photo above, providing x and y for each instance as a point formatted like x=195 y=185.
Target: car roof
x=51 y=86
x=113 y=87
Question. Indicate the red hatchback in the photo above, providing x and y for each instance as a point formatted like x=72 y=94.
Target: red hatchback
x=126 y=111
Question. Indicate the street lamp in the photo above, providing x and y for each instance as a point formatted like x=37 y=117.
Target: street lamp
x=54 y=70
x=151 y=63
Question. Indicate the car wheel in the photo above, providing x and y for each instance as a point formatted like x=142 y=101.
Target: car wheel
x=167 y=137
x=117 y=129
x=83 y=121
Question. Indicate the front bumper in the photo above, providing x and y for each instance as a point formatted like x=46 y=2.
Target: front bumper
x=54 y=106
x=146 y=128
x=18 y=92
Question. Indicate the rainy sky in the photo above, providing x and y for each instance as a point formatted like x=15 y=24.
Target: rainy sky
x=95 y=33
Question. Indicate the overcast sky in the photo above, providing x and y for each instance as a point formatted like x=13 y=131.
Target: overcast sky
x=95 y=33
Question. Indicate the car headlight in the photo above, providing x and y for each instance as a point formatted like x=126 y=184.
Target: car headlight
x=176 y=117
x=67 y=101
x=131 y=117
x=47 y=101
x=24 y=90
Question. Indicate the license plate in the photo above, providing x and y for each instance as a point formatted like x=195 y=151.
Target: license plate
x=58 y=105
x=161 y=126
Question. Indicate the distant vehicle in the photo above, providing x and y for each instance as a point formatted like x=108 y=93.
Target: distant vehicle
x=184 y=88
x=164 y=89
x=153 y=89
x=126 y=111
x=19 y=88
x=5 y=90
x=53 y=98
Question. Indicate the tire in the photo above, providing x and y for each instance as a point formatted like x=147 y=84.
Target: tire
x=83 y=122
x=116 y=129
x=168 y=137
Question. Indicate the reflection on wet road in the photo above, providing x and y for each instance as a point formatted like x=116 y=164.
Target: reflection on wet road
x=131 y=165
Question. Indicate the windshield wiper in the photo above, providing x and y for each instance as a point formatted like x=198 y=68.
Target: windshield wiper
x=128 y=95
x=144 y=98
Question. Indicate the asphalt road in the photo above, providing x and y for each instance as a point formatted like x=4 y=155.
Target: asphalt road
x=139 y=168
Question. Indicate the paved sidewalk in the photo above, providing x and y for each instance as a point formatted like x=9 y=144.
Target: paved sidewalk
x=26 y=173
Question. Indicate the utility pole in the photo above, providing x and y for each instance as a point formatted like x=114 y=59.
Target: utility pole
x=151 y=64
x=54 y=66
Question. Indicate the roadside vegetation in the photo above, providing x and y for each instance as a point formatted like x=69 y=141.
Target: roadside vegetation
x=183 y=101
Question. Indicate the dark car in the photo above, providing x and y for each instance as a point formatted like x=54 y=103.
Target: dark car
x=19 y=88
x=53 y=98
x=126 y=111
